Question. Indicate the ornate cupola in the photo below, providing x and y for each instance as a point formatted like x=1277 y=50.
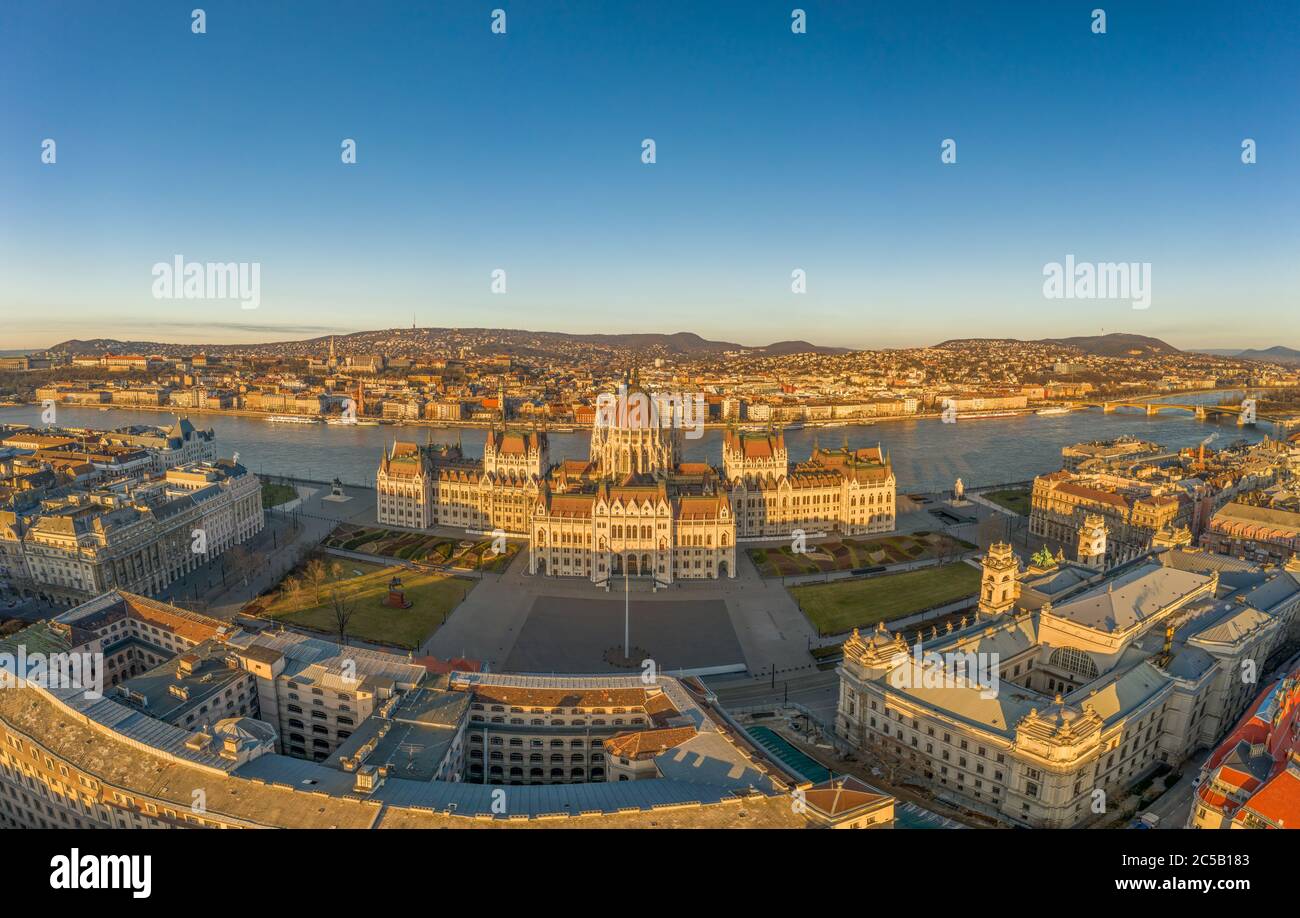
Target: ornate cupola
x=1092 y=542
x=874 y=656
x=999 y=584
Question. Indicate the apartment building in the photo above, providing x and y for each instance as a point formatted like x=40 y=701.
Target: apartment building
x=68 y=760
x=1136 y=513
x=316 y=692
x=1252 y=779
x=133 y=633
x=134 y=536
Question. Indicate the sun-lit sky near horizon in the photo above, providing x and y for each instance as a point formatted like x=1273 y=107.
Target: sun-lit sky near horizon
x=775 y=152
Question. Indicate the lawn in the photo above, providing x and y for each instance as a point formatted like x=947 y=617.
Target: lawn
x=843 y=604
x=1015 y=499
x=365 y=586
x=273 y=494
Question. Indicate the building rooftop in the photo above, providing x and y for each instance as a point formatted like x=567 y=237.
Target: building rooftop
x=157 y=764
x=1132 y=597
x=176 y=690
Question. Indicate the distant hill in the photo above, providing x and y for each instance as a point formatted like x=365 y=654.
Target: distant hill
x=1116 y=345
x=689 y=343
x=781 y=348
x=480 y=340
x=1112 y=345
x=1279 y=354
x=110 y=346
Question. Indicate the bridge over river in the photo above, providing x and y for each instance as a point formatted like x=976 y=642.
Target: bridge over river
x=1245 y=412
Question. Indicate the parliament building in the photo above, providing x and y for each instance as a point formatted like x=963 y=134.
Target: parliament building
x=634 y=507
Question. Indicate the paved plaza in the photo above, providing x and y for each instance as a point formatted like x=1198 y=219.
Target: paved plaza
x=514 y=621
x=563 y=634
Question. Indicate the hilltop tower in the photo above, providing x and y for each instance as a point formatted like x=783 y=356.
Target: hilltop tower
x=999 y=586
x=1092 y=542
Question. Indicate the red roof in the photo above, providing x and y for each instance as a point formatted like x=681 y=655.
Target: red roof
x=1272 y=725
x=439 y=667
x=1278 y=803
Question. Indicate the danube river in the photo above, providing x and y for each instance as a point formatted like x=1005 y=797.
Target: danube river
x=928 y=455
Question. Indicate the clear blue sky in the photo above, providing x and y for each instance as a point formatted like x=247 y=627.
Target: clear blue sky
x=775 y=151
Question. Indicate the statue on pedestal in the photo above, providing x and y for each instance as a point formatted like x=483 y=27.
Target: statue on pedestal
x=396 y=598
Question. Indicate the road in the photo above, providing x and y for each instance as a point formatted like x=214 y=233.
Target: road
x=817 y=691
x=220 y=589
x=1175 y=804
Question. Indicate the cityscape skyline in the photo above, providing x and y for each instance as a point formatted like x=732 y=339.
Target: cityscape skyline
x=677 y=416
x=818 y=152
x=306 y=334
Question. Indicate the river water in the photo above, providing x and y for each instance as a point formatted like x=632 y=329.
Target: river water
x=928 y=454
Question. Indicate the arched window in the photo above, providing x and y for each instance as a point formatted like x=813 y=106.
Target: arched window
x=1073 y=661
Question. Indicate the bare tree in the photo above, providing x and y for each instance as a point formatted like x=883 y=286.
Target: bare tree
x=889 y=759
x=992 y=529
x=316 y=576
x=343 y=608
x=241 y=559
